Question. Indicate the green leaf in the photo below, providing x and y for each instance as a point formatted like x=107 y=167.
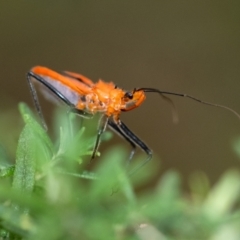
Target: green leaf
x=222 y=198
x=24 y=175
x=34 y=149
x=29 y=118
x=7 y=171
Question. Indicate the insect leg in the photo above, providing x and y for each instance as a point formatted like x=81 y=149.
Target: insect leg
x=137 y=141
x=102 y=127
x=115 y=128
x=35 y=99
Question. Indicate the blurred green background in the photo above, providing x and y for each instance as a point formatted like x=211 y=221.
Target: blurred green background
x=181 y=46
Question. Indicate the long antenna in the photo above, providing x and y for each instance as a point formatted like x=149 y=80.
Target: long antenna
x=187 y=96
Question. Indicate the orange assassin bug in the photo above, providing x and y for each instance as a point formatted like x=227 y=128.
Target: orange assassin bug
x=86 y=98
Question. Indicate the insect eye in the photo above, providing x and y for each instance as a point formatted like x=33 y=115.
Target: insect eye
x=128 y=95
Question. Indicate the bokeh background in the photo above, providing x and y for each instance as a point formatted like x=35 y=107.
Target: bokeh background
x=181 y=46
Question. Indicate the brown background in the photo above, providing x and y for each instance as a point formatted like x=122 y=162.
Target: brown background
x=183 y=46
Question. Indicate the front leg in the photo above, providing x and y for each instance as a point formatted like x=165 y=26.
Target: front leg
x=101 y=129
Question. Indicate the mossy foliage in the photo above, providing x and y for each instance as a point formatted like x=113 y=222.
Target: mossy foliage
x=48 y=194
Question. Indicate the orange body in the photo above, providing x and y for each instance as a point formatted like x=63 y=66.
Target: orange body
x=92 y=97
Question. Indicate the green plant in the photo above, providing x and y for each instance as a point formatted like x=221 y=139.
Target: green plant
x=48 y=194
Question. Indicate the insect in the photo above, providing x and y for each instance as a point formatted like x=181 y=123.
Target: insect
x=87 y=98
